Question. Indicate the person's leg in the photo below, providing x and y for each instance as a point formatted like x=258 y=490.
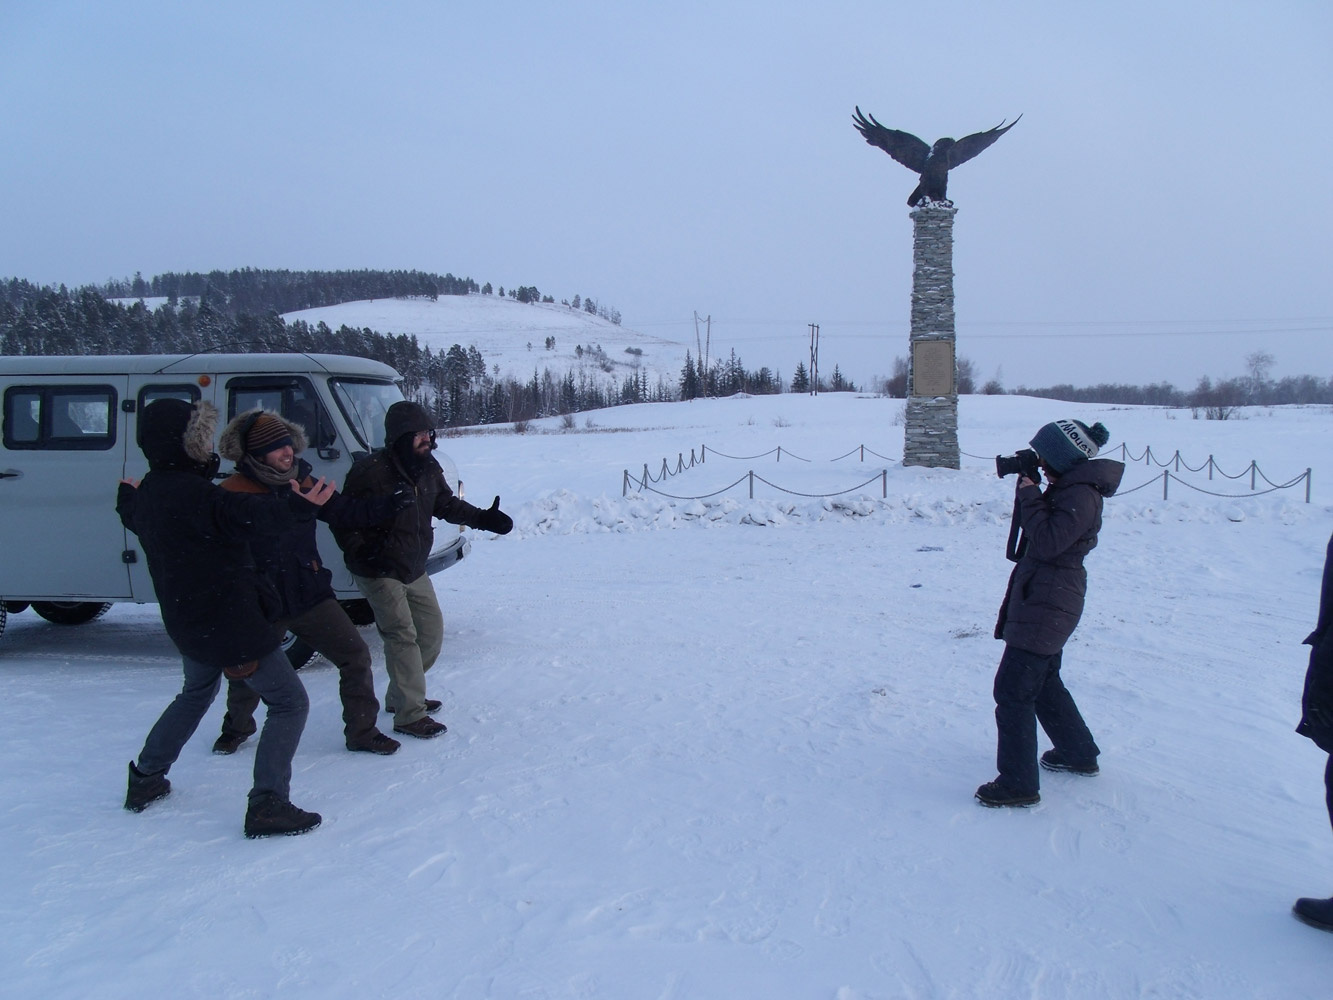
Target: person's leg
x=1017 y=682
x=428 y=619
x=238 y=724
x=284 y=696
x=1063 y=723
x=181 y=718
x=406 y=690
x=327 y=629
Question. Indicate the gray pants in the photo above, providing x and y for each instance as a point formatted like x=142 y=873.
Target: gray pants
x=281 y=690
x=327 y=630
x=408 y=616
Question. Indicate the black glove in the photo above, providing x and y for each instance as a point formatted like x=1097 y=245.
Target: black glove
x=403 y=497
x=494 y=519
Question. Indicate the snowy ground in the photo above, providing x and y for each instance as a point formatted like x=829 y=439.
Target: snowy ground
x=726 y=747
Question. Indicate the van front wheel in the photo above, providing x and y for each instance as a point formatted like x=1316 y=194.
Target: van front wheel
x=70 y=612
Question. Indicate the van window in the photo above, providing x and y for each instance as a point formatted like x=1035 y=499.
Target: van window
x=364 y=403
x=152 y=393
x=60 y=417
x=294 y=398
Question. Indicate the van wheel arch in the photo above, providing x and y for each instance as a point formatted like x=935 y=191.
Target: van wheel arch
x=70 y=612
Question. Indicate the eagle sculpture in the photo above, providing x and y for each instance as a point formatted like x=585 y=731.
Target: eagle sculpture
x=933 y=163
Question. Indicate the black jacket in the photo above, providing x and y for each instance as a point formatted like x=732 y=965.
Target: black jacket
x=290 y=560
x=215 y=604
x=1317 y=698
x=399 y=548
x=1044 y=600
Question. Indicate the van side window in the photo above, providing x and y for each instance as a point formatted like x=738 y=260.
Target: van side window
x=294 y=398
x=60 y=417
x=152 y=393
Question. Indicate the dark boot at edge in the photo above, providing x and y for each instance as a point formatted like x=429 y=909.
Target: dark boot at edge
x=145 y=789
x=269 y=816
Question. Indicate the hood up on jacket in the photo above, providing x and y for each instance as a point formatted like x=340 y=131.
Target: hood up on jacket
x=178 y=436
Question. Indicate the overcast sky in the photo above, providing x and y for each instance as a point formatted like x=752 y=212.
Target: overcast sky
x=1162 y=211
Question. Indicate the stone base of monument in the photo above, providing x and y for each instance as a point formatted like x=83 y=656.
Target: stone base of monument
x=931 y=437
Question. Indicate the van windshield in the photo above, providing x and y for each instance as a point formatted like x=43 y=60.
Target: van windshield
x=364 y=403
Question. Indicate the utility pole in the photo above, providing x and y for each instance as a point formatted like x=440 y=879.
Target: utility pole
x=814 y=359
x=702 y=351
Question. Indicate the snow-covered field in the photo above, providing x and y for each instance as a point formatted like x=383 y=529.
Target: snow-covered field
x=513 y=335
x=726 y=747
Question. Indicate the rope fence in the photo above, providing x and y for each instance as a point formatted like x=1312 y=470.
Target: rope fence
x=1171 y=466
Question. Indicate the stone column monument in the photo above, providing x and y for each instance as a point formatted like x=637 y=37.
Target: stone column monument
x=932 y=368
x=931 y=437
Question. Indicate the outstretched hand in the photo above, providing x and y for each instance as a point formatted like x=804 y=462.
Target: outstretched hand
x=319 y=492
x=494 y=519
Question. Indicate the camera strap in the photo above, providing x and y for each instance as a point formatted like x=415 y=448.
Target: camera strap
x=1016 y=546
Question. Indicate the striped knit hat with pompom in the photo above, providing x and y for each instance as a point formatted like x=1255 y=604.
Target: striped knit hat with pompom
x=1063 y=444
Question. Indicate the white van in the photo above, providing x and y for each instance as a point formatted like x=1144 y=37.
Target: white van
x=69 y=434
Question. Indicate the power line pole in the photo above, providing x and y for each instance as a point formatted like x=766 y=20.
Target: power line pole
x=814 y=359
x=703 y=350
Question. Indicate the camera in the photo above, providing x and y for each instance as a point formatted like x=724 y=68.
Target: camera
x=1025 y=462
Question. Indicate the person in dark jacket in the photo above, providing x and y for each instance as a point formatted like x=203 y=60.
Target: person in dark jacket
x=217 y=608
x=1052 y=531
x=388 y=561
x=1317 y=722
x=265 y=448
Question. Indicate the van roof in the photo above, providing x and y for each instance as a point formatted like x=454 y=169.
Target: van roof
x=180 y=364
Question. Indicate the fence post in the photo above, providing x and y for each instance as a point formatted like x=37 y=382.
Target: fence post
x=863 y=453
x=779 y=453
x=1177 y=459
x=1307 y=485
x=884 y=480
x=703 y=454
x=752 y=484
x=624 y=484
x=645 y=474
x=1166 y=477
x=1210 y=468
x=1254 y=467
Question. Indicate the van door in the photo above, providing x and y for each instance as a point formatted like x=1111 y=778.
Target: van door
x=63 y=456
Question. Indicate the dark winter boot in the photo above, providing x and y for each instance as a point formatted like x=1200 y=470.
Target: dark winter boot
x=1315 y=912
x=145 y=789
x=377 y=744
x=425 y=728
x=228 y=743
x=994 y=794
x=1054 y=760
x=270 y=816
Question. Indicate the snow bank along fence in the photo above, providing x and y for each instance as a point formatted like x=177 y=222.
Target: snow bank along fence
x=644 y=482
x=1171 y=468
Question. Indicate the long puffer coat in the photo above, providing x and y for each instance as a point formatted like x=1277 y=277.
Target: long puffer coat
x=1044 y=600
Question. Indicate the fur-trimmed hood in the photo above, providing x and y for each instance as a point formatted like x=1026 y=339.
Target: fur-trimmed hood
x=232 y=448
x=179 y=435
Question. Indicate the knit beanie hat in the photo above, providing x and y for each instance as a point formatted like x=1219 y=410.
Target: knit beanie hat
x=1063 y=444
x=267 y=433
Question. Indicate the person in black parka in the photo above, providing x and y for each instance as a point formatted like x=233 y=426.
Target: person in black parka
x=266 y=447
x=1317 y=722
x=217 y=609
x=1052 y=531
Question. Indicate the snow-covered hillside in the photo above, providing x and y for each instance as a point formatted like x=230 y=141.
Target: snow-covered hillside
x=719 y=747
x=512 y=335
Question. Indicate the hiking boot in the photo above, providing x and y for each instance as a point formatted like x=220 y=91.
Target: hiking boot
x=378 y=744
x=1054 y=760
x=145 y=789
x=1315 y=912
x=269 y=816
x=228 y=743
x=432 y=706
x=425 y=728
x=994 y=794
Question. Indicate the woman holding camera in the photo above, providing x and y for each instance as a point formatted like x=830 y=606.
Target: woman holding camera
x=1052 y=531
